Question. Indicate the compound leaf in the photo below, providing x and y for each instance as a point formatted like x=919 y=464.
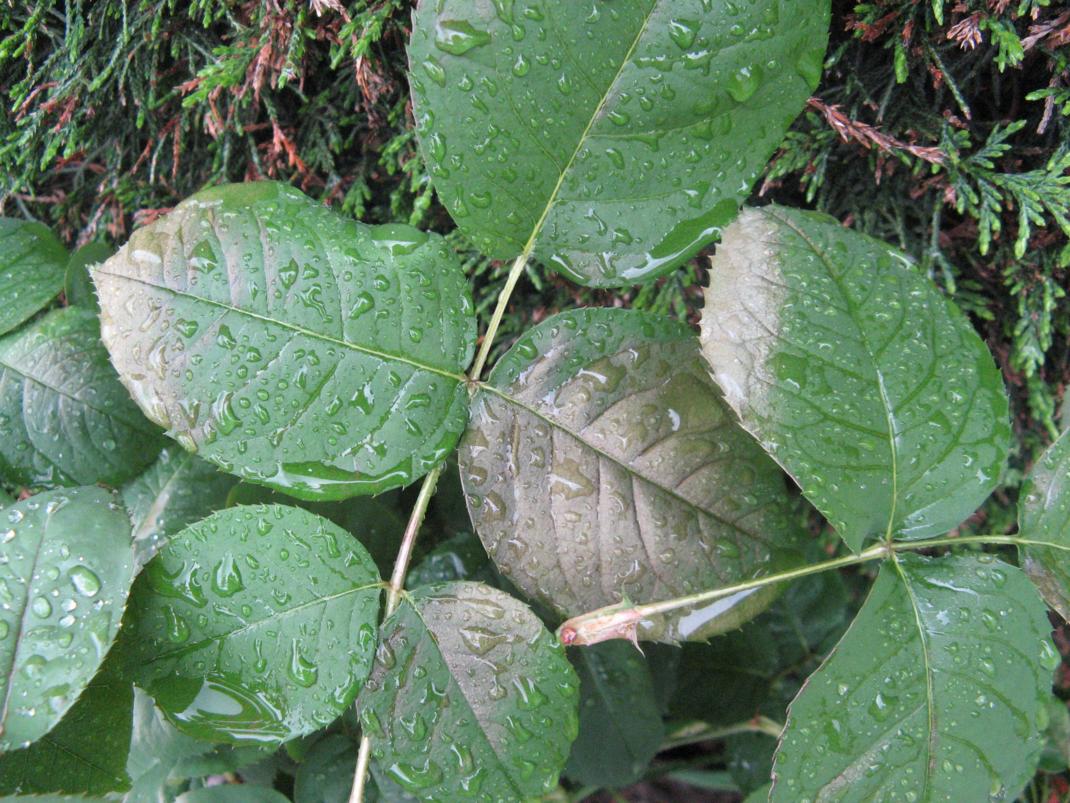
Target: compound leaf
x=65 y=419
x=470 y=696
x=1044 y=515
x=32 y=265
x=620 y=724
x=256 y=624
x=289 y=346
x=868 y=386
x=615 y=140
x=175 y=491
x=66 y=571
x=936 y=692
x=601 y=463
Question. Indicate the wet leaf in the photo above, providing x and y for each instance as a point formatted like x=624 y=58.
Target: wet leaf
x=1044 y=515
x=326 y=774
x=66 y=571
x=461 y=557
x=255 y=625
x=177 y=490
x=32 y=264
x=86 y=752
x=867 y=385
x=77 y=284
x=937 y=691
x=156 y=748
x=616 y=139
x=601 y=463
x=232 y=793
x=620 y=724
x=64 y=417
x=470 y=697
x=290 y=346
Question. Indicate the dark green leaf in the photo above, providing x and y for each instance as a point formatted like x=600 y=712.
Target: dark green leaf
x=32 y=262
x=470 y=696
x=866 y=384
x=86 y=752
x=5 y=499
x=177 y=490
x=289 y=346
x=156 y=748
x=461 y=557
x=232 y=793
x=64 y=578
x=326 y=774
x=936 y=692
x=620 y=724
x=256 y=624
x=602 y=463
x=78 y=286
x=1044 y=515
x=64 y=417
x=808 y=620
x=615 y=139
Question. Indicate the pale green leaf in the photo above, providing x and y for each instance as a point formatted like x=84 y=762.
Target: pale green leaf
x=32 y=265
x=470 y=696
x=64 y=578
x=290 y=346
x=866 y=384
x=1044 y=515
x=936 y=693
x=601 y=464
x=65 y=419
x=232 y=793
x=615 y=139
x=255 y=625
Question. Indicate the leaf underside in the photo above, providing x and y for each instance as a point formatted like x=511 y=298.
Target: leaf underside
x=870 y=388
x=32 y=266
x=619 y=137
x=470 y=698
x=936 y=692
x=65 y=419
x=256 y=624
x=601 y=463
x=289 y=346
x=1044 y=515
x=64 y=580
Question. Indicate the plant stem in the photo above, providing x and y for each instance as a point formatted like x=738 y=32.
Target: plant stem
x=499 y=310
x=701 y=732
x=393 y=597
x=622 y=620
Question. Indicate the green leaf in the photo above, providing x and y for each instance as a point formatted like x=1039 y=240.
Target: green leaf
x=290 y=346
x=326 y=774
x=868 y=386
x=77 y=284
x=461 y=557
x=470 y=696
x=66 y=571
x=177 y=490
x=232 y=793
x=601 y=463
x=5 y=499
x=936 y=692
x=64 y=417
x=256 y=625
x=156 y=748
x=32 y=264
x=1044 y=515
x=620 y=725
x=86 y=752
x=612 y=141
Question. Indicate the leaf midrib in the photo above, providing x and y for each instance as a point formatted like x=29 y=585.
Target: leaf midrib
x=379 y=354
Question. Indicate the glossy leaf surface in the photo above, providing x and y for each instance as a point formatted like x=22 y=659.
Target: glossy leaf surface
x=618 y=138
x=936 y=693
x=156 y=748
x=86 y=752
x=290 y=346
x=256 y=624
x=1044 y=515
x=77 y=284
x=177 y=490
x=65 y=419
x=32 y=265
x=855 y=373
x=470 y=698
x=64 y=578
x=620 y=724
x=601 y=462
